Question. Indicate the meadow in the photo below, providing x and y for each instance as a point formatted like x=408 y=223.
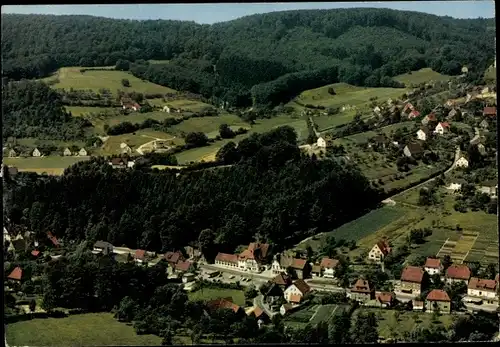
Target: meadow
x=325 y=313
x=91 y=329
x=52 y=165
x=205 y=294
x=425 y=75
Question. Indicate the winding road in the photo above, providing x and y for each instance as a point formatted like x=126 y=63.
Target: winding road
x=139 y=149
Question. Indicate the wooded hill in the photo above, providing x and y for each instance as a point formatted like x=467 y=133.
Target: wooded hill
x=259 y=58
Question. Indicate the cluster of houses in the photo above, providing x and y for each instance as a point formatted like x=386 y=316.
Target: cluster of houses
x=252 y=259
x=130 y=105
x=121 y=163
x=37 y=153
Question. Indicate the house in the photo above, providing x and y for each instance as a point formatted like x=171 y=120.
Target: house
x=490 y=111
x=324 y=142
x=173 y=258
x=385 y=299
x=484 y=124
x=252 y=258
x=411 y=280
x=462 y=162
x=66 y=152
x=361 y=291
x=316 y=270
x=16 y=274
x=227 y=260
x=192 y=253
x=282 y=280
x=451 y=114
x=140 y=256
x=379 y=140
x=183 y=267
x=53 y=240
x=223 y=303
x=417 y=305
x=296 y=291
x=300 y=266
x=188 y=277
x=491 y=190
x=413 y=149
x=166 y=109
x=286 y=308
x=328 y=266
x=131 y=106
x=457 y=273
x=431 y=117
x=379 y=251
x=121 y=163
x=433 y=266
x=273 y=294
x=438 y=300
x=481 y=149
x=82 y=152
x=413 y=114
x=483 y=289
x=12 y=153
x=36 y=153
x=125 y=149
x=103 y=247
x=423 y=134
x=408 y=108
x=441 y=128
x=35 y=253
x=377 y=110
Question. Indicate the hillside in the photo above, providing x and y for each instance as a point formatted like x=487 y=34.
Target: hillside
x=229 y=61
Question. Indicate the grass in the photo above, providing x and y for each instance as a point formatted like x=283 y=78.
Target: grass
x=134 y=140
x=490 y=75
x=425 y=75
x=91 y=329
x=71 y=77
x=52 y=165
x=216 y=293
x=78 y=111
x=34 y=142
x=208 y=125
x=325 y=313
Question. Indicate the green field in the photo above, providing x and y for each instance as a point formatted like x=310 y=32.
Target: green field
x=425 y=75
x=208 y=125
x=78 y=111
x=71 y=77
x=325 y=313
x=490 y=75
x=134 y=140
x=365 y=136
x=216 y=293
x=52 y=165
x=34 y=142
x=91 y=329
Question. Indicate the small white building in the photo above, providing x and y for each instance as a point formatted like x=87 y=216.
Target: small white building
x=462 y=162
x=67 y=152
x=483 y=289
x=484 y=124
x=454 y=187
x=166 y=109
x=328 y=266
x=376 y=110
x=481 y=149
x=296 y=291
x=82 y=152
x=422 y=134
x=36 y=153
x=322 y=142
x=379 y=251
x=433 y=266
x=441 y=128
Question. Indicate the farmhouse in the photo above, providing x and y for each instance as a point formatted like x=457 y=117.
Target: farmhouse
x=140 y=256
x=82 y=152
x=253 y=257
x=457 y=273
x=121 y=163
x=438 y=300
x=413 y=149
x=296 y=291
x=433 y=266
x=300 y=267
x=324 y=142
x=385 y=299
x=411 y=280
x=222 y=303
x=36 y=153
x=483 y=289
x=66 y=152
x=103 y=247
x=12 y=153
x=484 y=124
x=413 y=114
x=328 y=266
x=273 y=294
x=379 y=251
x=361 y=291
x=227 y=260
x=423 y=134
x=125 y=149
x=431 y=117
x=441 y=128
x=282 y=280
x=490 y=111
x=173 y=258
x=462 y=162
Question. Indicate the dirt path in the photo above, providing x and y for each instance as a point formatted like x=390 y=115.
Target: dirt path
x=139 y=149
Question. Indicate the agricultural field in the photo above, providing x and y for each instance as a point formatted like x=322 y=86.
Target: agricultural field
x=52 y=165
x=365 y=136
x=183 y=104
x=32 y=142
x=209 y=125
x=78 y=111
x=325 y=313
x=71 y=77
x=91 y=329
x=301 y=317
x=425 y=75
x=216 y=293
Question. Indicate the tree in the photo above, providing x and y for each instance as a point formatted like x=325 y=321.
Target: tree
x=32 y=305
x=337 y=330
x=226 y=132
x=127 y=310
x=251 y=292
x=196 y=139
x=125 y=82
x=122 y=65
x=365 y=328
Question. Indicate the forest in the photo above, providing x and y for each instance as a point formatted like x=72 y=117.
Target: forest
x=273 y=194
x=252 y=60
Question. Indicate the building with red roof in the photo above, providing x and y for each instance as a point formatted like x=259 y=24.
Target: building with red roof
x=222 y=303
x=412 y=278
x=328 y=267
x=16 y=274
x=173 y=258
x=413 y=114
x=385 y=299
x=227 y=260
x=483 y=289
x=442 y=128
x=183 y=266
x=433 y=266
x=35 y=253
x=490 y=111
x=296 y=291
x=457 y=273
x=253 y=258
x=379 y=251
x=140 y=256
x=361 y=291
x=282 y=280
x=438 y=300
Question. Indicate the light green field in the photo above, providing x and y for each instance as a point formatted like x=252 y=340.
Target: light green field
x=325 y=313
x=425 y=75
x=490 y=75
x=91 y=329
x=208 y=124
x=365 y=136
x=71 y=77
x=53 y=165
x=78 y=111
x=215 y=293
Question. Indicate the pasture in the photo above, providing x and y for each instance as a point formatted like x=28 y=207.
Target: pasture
x=206 y=294
x=425 y=75
x=52 y=165
x=71 y=77
x=79 y=111
x=90 y=329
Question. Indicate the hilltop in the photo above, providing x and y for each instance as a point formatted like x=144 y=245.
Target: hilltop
x=260 y=59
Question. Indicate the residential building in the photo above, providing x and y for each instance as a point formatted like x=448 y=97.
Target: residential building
x=492 y=191
x=379 y=251
x=316 y=270
x=361 y=291
x=12 y=153
x=82 y=152
x=433 y=266
x=481 y=149
x=188 y=277
x=417 y=305
x=173 y=258
x=35 y=253
x=408 y=108
x=260 y=315
x=125 y=149
x=328 y=266
x=103 y=247
x=413 y=114
x=36 y=153
x=223 y=303
x=253 y=258
x=324 y=142
x=282 y=280
x=457 y=273
x=483 y=289
x=183 y=267
x=438 y=300
x=379 y=141
x=431 y=117
x=423 y=134
x=413 y=149
x=227 y=260
x=286 y=308
x=441 y=128
x=411 y=280
x=490 y=111
x=462 y=163
x=452 y=114
x=296 y=291
x=273 y=294
x=300 y=267
x=16 y=275
x=140 y=256
x=166 y=109
x=121 y=163
x=484 y=124
x=67 y=152
x=385 y=299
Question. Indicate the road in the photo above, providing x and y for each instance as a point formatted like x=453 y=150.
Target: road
x=139 y=149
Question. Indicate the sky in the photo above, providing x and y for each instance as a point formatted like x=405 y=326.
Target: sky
x=213 y=13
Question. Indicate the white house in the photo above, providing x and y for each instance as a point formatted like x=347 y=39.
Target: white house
x=251 y=259
x=433 y=266
x=166 y=109
x=322 y=142
x=462 y=162
x=484 y=124
x=328 y=266
x=454 y=187
x=296 y=291
x=481 y=149
x=422 y=134
x=227 y=260
x=441 y=128
x=67 y=152
x=36 y=153
x=465 y=70
x=483 y=289
x=376 y=110
x=82 y=152
x=379 y=251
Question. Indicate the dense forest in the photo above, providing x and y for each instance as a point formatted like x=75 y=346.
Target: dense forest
x=274 y=194
x=254 y=58
x=32 y=109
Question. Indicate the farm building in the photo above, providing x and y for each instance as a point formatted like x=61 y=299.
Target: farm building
x=442 y=128
x=438 y=300
x=462 y=162
x=413 y=149
x=66 y=152
x=423 y=134
x=82 y=152
x=379 y=251
x=36 y=153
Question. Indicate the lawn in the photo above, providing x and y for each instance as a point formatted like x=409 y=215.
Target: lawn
x=325 y=313
x=389 y=327
x=425 y=75
x=52 y=165
x=71 y=77
x=206 y=294
x=301 y=317
x=91 y=329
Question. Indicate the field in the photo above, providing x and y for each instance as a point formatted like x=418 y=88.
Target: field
x=490 y=74
x=325 y=313
x=389 y=327
x=52 y=165
x=91 y=329
x=425 y=75
x=209 y=125
x=71 y=77
x=216 y=293
x=34 y=142
x=78 y=111
x=134 y=140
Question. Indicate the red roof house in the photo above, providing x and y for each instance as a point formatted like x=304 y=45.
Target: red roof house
x=226 y=258
x=438 y=295
x=490 y=111
x=222 y=303
x=328 y=263
x=458 y=273
x=433 y=263
x=413 y=114
x=412 y=274
x=35 y=253
x=282 y=279
x=173 y=257
x=482 y=284
x=140 y=254
x=183 y=266
x=16 y=274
